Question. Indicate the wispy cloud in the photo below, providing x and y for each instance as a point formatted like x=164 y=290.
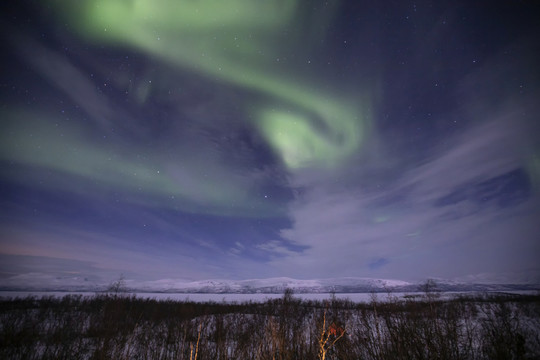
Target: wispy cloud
x=412 y=228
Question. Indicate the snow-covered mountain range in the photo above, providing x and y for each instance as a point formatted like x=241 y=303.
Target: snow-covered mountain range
x=41 y=282
x=275 y=285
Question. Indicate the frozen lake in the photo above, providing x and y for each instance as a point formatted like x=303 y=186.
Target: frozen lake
x=229 y=298
x=198 y=297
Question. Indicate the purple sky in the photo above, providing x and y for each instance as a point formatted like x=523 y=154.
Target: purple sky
x=180 y=139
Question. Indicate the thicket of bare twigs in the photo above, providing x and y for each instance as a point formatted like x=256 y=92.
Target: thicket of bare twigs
x=126 y=327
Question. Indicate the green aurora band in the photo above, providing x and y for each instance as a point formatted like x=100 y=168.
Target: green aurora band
x=41 y=144
x=224 y=40
x=236 y=42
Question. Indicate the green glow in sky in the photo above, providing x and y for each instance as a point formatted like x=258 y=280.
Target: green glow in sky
x=381 y=219
x=300 y=143
x=191 y=187
x=237 y=42
x=533 y=167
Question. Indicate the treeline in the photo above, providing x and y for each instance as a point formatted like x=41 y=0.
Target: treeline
x=117 y=326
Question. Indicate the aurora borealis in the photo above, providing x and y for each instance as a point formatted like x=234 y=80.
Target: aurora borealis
x=225 y=41
x=247 y=139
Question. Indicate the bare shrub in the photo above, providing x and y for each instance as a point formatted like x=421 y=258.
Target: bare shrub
x=126 y=327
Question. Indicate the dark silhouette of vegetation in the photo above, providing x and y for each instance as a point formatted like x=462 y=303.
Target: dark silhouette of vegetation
x=126 y=327
x=118 y=287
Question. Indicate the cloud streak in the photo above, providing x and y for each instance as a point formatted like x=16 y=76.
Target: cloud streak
x=454 y=214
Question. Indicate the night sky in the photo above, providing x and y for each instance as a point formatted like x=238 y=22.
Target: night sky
x=206 y=139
